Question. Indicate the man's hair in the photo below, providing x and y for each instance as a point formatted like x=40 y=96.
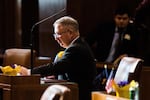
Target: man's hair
x=122 y=10
x=68 y=22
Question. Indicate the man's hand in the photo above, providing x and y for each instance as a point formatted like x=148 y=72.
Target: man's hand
x=24 y=71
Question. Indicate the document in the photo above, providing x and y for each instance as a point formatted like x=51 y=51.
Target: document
x=127 y=65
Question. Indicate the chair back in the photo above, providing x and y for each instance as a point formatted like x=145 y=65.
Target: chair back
x=56 y=92
x=18 y=56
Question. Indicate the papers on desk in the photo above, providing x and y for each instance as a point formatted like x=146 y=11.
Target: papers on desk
x=48 y=80
x=127 y=65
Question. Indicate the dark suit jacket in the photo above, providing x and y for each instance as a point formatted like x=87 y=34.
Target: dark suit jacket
x=78 y=62
x=101 y=39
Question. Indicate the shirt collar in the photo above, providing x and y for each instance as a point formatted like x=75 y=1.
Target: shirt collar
x=73 y=41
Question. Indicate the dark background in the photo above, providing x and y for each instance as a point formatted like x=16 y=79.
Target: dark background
x=18 y=16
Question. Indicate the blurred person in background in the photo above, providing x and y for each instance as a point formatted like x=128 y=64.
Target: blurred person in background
x=112 y=40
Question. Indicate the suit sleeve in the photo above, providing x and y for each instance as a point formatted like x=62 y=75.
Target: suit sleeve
x=43 y=70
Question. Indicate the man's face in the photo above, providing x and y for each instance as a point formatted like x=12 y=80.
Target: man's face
x=121 y=20
x=62 y=36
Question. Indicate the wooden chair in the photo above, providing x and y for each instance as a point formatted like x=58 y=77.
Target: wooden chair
x=23 y=57
x=56 y=92
x=18 y=56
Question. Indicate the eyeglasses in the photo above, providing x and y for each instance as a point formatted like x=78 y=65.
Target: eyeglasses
x=56 y=35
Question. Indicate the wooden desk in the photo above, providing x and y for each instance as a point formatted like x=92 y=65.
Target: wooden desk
x=144 y=80
x=29 y=87
x=103 y=96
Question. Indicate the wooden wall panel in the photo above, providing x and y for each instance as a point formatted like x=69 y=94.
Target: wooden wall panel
x=7 y=24
x=29 y=16
x=52 y=9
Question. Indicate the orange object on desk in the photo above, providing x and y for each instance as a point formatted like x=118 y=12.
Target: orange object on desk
x=96 y=95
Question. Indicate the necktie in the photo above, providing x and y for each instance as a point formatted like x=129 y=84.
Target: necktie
x=113 y=47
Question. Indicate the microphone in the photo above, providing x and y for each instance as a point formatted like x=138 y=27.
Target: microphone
x=45 y=19
x=32 y=35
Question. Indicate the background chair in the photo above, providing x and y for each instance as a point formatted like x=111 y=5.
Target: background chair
x=23 y=57
x=57 y=92
x=18 y=56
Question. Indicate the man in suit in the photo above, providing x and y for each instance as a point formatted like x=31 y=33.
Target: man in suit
x=121 y=33
x=77 y=60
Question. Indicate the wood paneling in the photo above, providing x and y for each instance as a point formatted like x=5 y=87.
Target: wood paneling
x=7 y=23
x=54 y=9
x=29 y=16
